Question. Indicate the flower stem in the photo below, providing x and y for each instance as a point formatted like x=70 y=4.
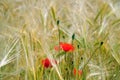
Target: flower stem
x=58 y=34
x=91 y=56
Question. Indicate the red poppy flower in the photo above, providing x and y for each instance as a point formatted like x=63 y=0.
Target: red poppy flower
x=46 y=62
x=65 y=47
x=75 y=72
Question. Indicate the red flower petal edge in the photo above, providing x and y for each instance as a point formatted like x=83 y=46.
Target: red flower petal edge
x=80 y=72
x=46 y=63
x=75 y=72
x=65 y=47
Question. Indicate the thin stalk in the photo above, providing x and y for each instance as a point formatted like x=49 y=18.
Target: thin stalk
x=90 y=58
x=92 y=55
x=58 y=35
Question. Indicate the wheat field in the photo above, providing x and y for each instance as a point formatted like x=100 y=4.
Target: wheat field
x=59 y=40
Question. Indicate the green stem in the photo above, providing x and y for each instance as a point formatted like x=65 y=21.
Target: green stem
x=58 y=33
x=92 y=56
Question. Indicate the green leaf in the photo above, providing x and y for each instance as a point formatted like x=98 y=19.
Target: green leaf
x=116 y=22
x=61 y=54
x=100 y=13
x=53 y=13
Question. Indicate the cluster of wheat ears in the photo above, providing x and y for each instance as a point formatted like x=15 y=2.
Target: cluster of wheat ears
x=59 y=40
